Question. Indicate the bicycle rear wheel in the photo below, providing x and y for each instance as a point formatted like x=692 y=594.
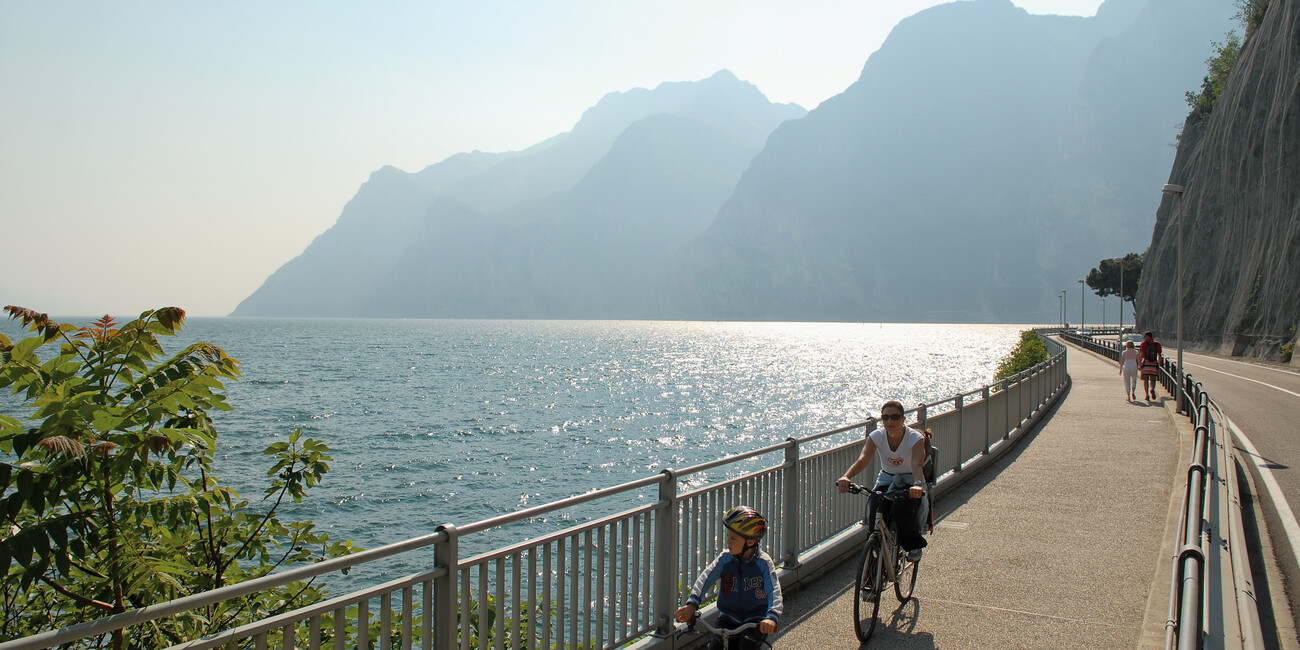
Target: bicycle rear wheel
x=905 y=577
x=866 y=595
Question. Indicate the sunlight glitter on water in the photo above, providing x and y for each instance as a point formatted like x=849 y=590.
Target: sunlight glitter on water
x=453 y=421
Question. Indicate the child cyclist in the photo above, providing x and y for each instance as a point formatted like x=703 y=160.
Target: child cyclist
x=748 y=590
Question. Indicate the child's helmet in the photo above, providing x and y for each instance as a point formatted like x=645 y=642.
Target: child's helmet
x=746 y=522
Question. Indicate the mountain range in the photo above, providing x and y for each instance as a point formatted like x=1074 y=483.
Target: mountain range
x=984 y=159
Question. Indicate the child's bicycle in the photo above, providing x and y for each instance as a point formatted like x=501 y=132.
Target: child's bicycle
x=724 y=633
x=882 y=562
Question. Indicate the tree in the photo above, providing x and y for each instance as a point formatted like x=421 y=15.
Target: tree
x=108 y=500
x=1250 y=13
x=1104 y=280
x=1219 y=65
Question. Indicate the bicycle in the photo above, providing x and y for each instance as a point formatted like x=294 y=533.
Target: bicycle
x=726 y=634
x=882 y=562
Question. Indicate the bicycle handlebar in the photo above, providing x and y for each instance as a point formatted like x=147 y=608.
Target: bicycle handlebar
x=892 y=495
x=690 y=626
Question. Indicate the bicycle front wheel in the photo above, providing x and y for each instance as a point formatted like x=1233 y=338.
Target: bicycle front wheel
x=905 y=577
x=866 y=596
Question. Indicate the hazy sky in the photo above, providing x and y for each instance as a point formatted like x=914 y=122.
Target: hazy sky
x=176 y=153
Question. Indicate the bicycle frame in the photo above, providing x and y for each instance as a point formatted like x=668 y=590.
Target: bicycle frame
x=888 y=531
x=888 y=545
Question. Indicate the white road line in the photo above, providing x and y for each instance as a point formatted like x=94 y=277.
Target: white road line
x=994 y=608
x=1260 y=366
x=1193 y=365
x=1284 y=512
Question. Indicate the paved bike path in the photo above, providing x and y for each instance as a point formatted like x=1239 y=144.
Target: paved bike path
x=1060 y=543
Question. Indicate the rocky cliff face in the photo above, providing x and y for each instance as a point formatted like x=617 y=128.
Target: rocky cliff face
x=1240 y=208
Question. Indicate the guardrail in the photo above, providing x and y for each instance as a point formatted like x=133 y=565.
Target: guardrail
x=1211 y=594
x=614 y=580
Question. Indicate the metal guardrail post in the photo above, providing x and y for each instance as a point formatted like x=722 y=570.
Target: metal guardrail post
x=665 y=555
x=1020 y=399
x=988 y=419
x=961 y=434
x=1036 y=390
x=790 y=518
x=1006 y=406
x=445 y=554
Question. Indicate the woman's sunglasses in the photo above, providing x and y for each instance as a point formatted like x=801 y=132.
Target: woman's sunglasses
x=891 y=416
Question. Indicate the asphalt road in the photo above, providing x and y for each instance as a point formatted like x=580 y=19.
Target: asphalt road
x=1263 y=401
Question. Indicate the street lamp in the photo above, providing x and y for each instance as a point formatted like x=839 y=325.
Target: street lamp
x=1176 y=191
x=1063 y=293
x=1081 y=294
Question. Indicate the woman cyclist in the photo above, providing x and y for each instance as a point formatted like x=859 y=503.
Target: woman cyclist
x=902 y=455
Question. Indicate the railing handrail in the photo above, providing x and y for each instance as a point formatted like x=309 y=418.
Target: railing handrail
x=194 y=601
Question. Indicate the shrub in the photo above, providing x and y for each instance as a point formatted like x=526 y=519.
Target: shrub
x=1029 y=352
x=109 y=501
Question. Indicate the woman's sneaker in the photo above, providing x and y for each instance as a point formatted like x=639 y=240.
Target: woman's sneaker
x=914 y=555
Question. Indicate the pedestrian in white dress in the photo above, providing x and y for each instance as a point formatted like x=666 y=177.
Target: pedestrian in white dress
x=1128 y=366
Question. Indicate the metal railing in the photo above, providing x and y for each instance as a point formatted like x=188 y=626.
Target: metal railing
x=614 y=580
x=1211 y=593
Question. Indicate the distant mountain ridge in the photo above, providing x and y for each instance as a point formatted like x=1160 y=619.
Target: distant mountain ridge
x=984 y=159
x=480 y=234
x=969 y=182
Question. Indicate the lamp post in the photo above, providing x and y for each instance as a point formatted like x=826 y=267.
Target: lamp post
x=1121 y=297
x=1176 y=191
x=1062 y=297
x=1082 y=292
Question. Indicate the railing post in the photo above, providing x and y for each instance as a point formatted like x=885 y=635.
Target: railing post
x=1034 y=391
x=1006 y=407
x=665 y=555
x=961 y=435
x=791 y=517
x=920 y=415
x=1020 y=399
x=988 y=420
x=445 y=554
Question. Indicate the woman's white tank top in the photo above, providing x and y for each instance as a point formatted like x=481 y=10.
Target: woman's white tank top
x=1130 y=358
x=896 y=461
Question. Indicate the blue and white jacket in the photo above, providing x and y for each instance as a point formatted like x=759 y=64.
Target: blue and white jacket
x=748 y=590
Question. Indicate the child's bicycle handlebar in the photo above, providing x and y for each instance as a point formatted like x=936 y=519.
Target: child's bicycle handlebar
x=690 y=627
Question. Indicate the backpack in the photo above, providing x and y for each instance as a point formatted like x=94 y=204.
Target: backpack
x=927 y=467
x=1153 y=352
